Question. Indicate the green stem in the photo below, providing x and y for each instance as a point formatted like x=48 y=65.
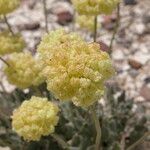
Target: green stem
x=74 y=21
x=97 y=127
x=95 y=29
x=60 y=141
x=4 y=61
x=139 y=141
x=8 y=25
x=116 y=28
x=45 y=15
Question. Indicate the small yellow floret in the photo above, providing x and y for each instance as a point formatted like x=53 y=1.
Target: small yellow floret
x=86 y=22
x=58 y=39
x=7 y=6
x=10 y=44
x=35 y=118
x=77 y=72
x=24 y=70
x=95 y=7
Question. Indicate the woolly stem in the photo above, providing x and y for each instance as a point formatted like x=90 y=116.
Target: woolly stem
x=8 y=25
x=60 y=141
x=97 y=127
x=95 y=29
x=139 y=141
x=116 y=28
x=45 y=15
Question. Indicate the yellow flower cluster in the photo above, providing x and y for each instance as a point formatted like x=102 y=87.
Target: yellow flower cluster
x=7 y=6
x=95 y=7
x=10 y=44
x=76 y=71
x=35 y=118
x=24 y=70
x=86 y=22
x=55 y=39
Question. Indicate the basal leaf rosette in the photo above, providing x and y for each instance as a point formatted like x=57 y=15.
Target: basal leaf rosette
x=7 y=6
x=77 y=72
x=24 y=70
x=95 y=7
x=58 y=39
x=10 y=44
x=35 y=118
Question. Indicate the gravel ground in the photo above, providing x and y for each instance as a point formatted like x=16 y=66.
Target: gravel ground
x=131 y=50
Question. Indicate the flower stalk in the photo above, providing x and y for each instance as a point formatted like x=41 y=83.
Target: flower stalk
x=116 y=29
x=8 y=25
x=60 y=141
x=45 y=15
x=97 y=127
x=4 y=61
x=95 y=28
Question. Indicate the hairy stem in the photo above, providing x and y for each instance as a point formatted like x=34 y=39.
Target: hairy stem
x=8 y=25
x=4 y=61
x=116 y=28
x=95 y=29
x=45 y=15
x=97 y=127
x=60 y=141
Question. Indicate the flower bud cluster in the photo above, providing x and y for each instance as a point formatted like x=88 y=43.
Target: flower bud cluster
x=35 y=118
x=7 y=6
x=24 y=70
x=10 y=44
x=95 y=7
x=75 y=70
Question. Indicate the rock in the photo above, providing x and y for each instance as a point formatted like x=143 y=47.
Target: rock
x=141 y=56
x=147 y=80
x=147 y=29
x=122 y=33
x=139 y=28
x=64 y=17
x=146 y=18
x=103 y=46
x=133 y=73
x=30 y=3
x=139 y=99
x=145 y=92
x=130 y=2
x=29 y=26
x=109 y=22
x=118 y=54
x=134 y=64
x=63 y=12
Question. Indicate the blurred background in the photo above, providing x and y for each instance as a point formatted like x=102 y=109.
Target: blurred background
x=130 y=53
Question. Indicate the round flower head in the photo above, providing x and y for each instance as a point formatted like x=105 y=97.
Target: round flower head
x=10 y=44
x=56 y=40
x=86 y=22
x=95 y=7
x=78 y=72
x=35 y=118
x=24 y=70
x=7 y=6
